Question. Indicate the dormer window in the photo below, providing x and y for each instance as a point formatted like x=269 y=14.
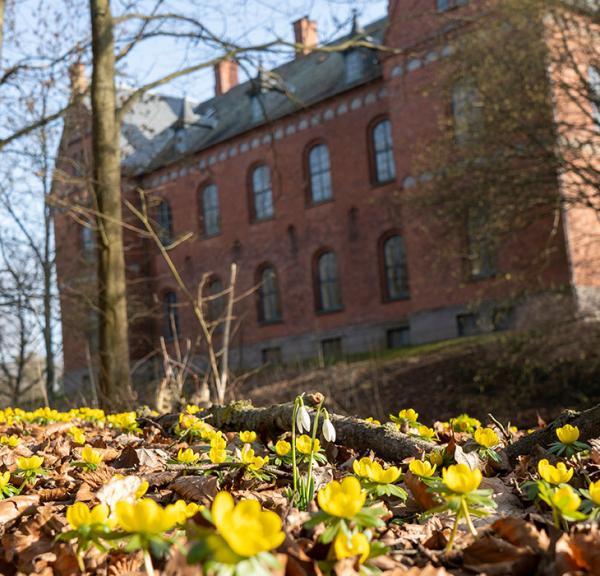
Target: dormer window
x=353 y=61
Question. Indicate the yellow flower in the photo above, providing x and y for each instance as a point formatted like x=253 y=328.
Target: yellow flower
x=565 y=500
x=217 y=455
x=486 y=437
x=247 y=436
x=125 y=421
x=426 y=432
x=436 y=457
x=79 y=515
x=77 y=435
x=374 y=471
x=145 y=517
x=594 y=490
x=282 y=448
x=191 y=409
x=303 y=443
x=558 y=474
x=568 y=434
x=142 y=489
x=421 y=468
x=187 y=457
x=407 y=415
x=464 y=423
x=183 y=510
x=11 y=441
x=32 y=463
x=348 y=547
x=253 y=462
x=461 y=479
x=91 y=456
x=4 y=481
x=373 y=421
x=218 y=442
x=245 y=526
x=343 y=499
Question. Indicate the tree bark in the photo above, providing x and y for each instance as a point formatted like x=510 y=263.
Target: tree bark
x=114 y=377
x=2 y=6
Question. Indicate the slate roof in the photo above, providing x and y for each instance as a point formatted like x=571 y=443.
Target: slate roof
x=160 y=130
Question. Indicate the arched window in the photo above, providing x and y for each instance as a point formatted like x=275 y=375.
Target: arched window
x=165 y=222
x=383 y=152
x=269 y=309
x=210 y=210
x=328 y=290
x=215 y=301
x=394 y=264
x=466 y=110
x=262 y=194
x=170 y=316
x=320 y=173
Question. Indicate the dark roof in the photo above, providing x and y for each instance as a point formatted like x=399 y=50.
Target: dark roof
x=181 y=128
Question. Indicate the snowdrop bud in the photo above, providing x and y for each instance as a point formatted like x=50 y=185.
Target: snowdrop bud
x=328 y=430
x=303 y=420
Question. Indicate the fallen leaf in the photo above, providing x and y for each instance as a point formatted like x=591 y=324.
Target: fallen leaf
x=12 y=508
x=196 y=488
x=420 y=491
x=491 y=555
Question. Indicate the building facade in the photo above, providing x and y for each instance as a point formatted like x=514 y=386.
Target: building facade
x=300 y=177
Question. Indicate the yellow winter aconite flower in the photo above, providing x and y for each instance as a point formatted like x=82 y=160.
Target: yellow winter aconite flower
x=253 y=462
x=558 y=474
x=217 y=455
x=145 y=517
x=465 y=423
x=594 y=490
x=192 y=409
x=125 y=421
x=373 y=421
x=461 y=479
x=425 y=432
x=568 y=434
x=32 y=463
x=436 y=457
x=77 y=435
x=303 y=444
x=184 y=510
x=282 y=448
x=187 y=457
x=406 y=415
x=4 y=481
x=342 y=499
x=245 y=526
x=422 y=468
x=218 y=442
x=79 y=515
x=91 y=456
x=374 y=471
x=11 y=441
x=348 y=547
x=247 y=436
x=486 y=437
x=565 y=500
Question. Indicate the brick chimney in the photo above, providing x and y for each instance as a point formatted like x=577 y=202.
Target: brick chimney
x=305 y=33
x=79 y=80
x=226 y=76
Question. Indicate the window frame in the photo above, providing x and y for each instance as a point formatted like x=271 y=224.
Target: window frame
x=310 y=196
x=254 y=219
x=383 y=267
x=203 y=210
x=165 y=234
x=374 y=152
x=278 y=318
x=214 y=309
x=317 y=283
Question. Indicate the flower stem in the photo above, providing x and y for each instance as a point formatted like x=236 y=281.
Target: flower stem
x=294 y=462
x=467 y=516
x=312 y=452
x=148 y=563
x=454 y=530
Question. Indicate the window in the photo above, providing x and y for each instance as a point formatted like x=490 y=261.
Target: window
x=443 y=5
x=353 y=61
x=88 y=242
x=482 y=257
x=466 y=110
x=594 y=82
x=268 y=296
x=398 y=337
x=256 y=107
x=320 y=173
x=262 y=194
x=394 y=264
x=215 y=301
x=468 y=324
x=170 y=316
x=383 y=152
x=331 y=349
x=272 y=356
x=210 y=210
x=329 y=296
x=93 y=331
x=165 y=222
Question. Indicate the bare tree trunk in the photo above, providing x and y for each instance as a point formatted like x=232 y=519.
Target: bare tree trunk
x=2 y=4
x=115 y=380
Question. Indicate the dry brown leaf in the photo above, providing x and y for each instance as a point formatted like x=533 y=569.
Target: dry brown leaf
x=521 y=533
x=196 y=488
x=579 y=552
x=50 y=494
x=494 y=556
x=12 y=508
x=425 y=499
x=429 y=570
x=120 y=564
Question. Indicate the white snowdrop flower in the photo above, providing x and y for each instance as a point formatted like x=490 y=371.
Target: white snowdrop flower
x=328 y=430
x=119 y=489
x=303 y=420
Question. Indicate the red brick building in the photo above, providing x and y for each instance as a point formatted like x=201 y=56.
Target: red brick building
x=299 y=176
